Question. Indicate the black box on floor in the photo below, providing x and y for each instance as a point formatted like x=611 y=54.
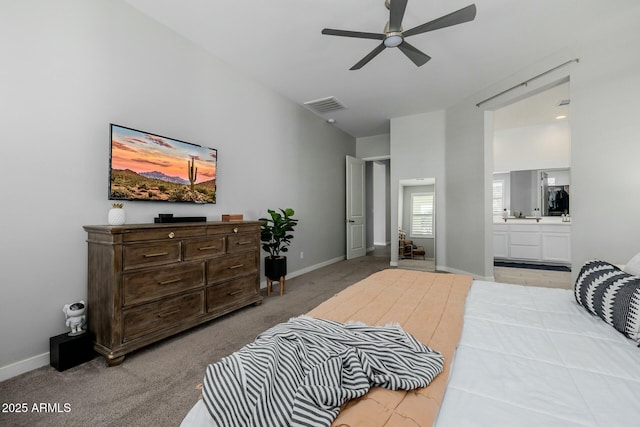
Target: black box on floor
x=66 y=352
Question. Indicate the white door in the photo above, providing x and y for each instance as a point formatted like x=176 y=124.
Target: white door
x=355 y=215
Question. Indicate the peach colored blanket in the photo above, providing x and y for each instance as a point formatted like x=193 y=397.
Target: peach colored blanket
x=430 y=306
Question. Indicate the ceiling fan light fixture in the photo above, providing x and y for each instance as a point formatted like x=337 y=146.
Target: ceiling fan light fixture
x=393 y=39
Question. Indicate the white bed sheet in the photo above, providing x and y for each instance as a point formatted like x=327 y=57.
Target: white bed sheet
x=533 y=357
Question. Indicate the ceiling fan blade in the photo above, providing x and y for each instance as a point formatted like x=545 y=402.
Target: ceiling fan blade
x=396 y=13
x=416 y=56
x=369 y=57
x=356 y=34
x=461 y=16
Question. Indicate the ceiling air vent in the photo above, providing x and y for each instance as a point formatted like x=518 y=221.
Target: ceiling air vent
x=325 y=105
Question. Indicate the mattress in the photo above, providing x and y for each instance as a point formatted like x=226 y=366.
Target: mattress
x=533 y=357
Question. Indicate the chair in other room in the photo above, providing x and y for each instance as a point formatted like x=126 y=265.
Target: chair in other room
x=407 y=250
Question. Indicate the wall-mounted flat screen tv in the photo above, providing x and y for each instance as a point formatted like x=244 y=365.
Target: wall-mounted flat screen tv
x=146 y=166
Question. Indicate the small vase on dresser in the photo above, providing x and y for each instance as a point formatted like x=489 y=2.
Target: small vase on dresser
x=117 y=215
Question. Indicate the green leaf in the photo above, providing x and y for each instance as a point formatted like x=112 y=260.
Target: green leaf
x=275 y=231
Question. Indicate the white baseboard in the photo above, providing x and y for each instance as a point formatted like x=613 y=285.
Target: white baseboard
x=26 y=365
x=316 y=266
x=263 y=283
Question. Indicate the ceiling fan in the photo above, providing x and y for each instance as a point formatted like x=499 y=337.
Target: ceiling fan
x=394 y=35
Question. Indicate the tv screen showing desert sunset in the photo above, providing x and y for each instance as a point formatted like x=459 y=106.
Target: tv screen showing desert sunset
x=145 y=166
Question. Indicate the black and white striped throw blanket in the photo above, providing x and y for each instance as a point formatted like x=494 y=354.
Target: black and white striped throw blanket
x=298 y=373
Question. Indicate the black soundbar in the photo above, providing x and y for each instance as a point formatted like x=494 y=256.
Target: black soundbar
x=169 y=218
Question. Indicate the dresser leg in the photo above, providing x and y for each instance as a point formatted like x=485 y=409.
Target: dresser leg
x=114 y=361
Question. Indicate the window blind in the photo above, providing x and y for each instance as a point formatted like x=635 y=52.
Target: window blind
x=498 y=197
x=422 y=215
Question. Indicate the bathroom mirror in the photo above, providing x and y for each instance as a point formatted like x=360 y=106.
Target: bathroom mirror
x=526 y=190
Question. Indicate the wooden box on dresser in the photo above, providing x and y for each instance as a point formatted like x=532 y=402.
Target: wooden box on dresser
x=149 y=281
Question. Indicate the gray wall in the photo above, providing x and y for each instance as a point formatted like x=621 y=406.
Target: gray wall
x=466 y=186
x=373 y=147
x=605 y=153
x=71 y=68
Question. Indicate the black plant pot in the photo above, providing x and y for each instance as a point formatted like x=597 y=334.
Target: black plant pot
x=275 y=268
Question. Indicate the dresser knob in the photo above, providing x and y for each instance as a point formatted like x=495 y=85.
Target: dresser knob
x=235 y=230
x=172 y=235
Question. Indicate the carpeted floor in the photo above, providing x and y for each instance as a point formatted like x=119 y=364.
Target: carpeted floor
x=156 y=386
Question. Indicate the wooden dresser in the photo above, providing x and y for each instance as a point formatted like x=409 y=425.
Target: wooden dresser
x=149 y=281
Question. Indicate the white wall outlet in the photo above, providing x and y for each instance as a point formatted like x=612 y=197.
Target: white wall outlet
x=301 y=255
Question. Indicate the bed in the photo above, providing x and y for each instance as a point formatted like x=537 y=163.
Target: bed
x=513 y=355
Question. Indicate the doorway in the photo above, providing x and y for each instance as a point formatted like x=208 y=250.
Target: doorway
x=378 y=207
x=531 y=147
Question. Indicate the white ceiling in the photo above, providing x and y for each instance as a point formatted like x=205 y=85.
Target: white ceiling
x=279 y=43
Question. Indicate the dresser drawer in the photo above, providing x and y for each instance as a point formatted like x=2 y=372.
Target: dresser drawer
x=203 y=248
x=241 y=243
x=136 y=256
x=228 y=267
x=162 y=233
x=225 y=228
x=154 y=317
x=149 y=285
x=229 y=293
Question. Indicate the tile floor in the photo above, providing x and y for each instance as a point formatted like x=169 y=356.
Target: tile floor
x=524 y=276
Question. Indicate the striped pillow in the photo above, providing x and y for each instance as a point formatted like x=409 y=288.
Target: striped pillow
x=608 y=292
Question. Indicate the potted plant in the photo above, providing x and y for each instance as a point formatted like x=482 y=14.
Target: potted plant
x=276 y=237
